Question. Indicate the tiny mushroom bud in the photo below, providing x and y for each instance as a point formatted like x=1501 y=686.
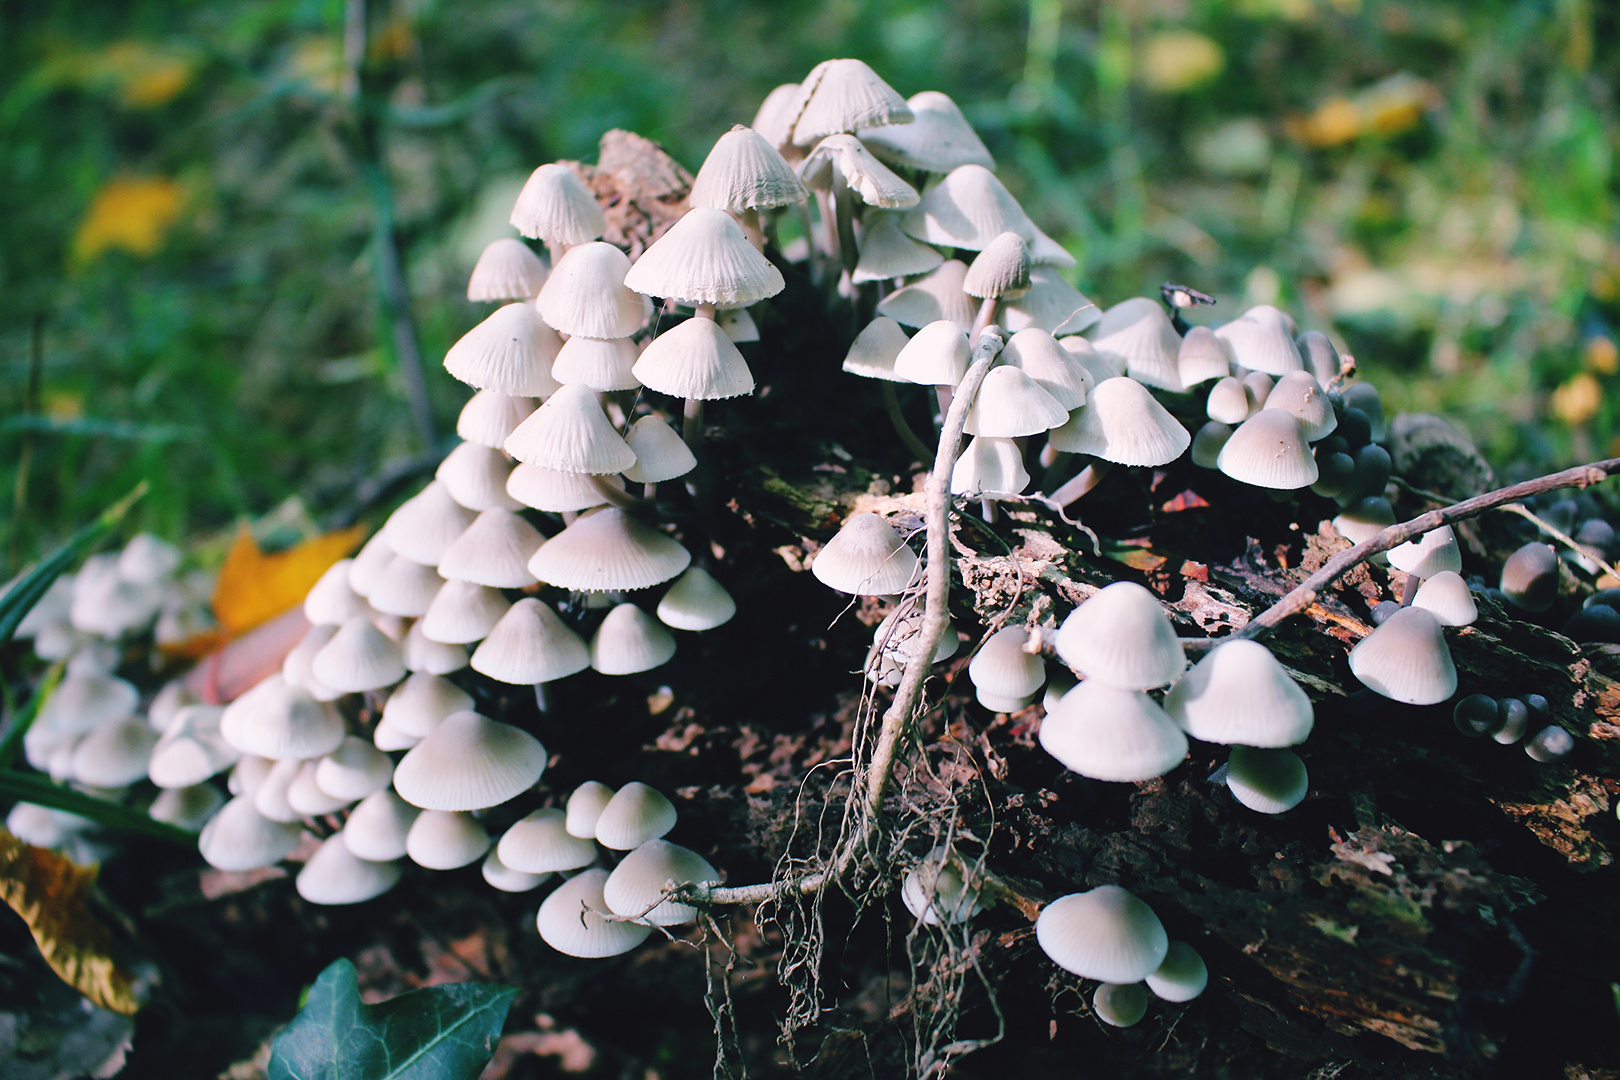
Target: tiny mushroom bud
x=1181 y=977
x=1530 y=577
x=1551 y=743
x=1268 y=781
x=1120 y=1005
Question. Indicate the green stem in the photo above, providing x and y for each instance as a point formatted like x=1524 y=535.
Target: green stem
x=29 y=787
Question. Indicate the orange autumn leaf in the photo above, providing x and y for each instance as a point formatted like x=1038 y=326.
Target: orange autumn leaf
x=51 y=894
x=254 y=587
x=130 y=213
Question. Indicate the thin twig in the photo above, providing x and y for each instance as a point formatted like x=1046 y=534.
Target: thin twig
x=1584 y=550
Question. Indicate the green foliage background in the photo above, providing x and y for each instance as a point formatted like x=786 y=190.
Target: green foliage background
x=1432 y=180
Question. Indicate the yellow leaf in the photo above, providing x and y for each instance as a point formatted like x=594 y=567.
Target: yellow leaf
x=128 y=212
x=50 y=893
x=1177 y=60
x=1578 y=400
x=254 y=587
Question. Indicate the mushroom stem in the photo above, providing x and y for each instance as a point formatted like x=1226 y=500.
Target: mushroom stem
x=987 y=510
x=612 y=494
x=988 y=310
x=812 y=249
x=1410 y=589
x=541 y=698
x=1056 y=462
x=1082 y=482
x=692 y=423
x=649 y=492
x=891 y=402
x=844 y=246
x=555 y=250
x=749 y=220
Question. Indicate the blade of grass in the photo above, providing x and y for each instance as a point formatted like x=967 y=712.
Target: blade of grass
x=30 y=787
x=22 y=596
x=24 y=719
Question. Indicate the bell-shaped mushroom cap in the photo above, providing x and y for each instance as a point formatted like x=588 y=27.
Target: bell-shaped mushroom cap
x=989 y=468
x=540 y=844
x=608 y=551
x=445 y=839
x=354 y=770
x=1530 y=577
x=463 y=613
x=774 y=118
x=696 y=602
x=191 y=749
x=107 y=605
x=114 y=755
x=469 y=762
x=1299 y=393
x=1004 y=667
x=895 y=640
x=529 y=645
x=636 y=814
x=167 y=702
x=274 y=720
x=1208 y=441
x=270 y=797
x=84 y=701
x=1122 y=637
x=1320 y=355
x=1010 y=404
x=556 y=206
x=843 y=95
x=745 y=172
x=186 y=808
x=330 y=601
x=500 y=876
x=335 y=875
x=1202 y=356
x=1138 y=334
x=494 y=550
x=1120 y=1005
x=704 y=258
x=571 y=920
x=1001 y=269
x=968 y=208
x=937 y=140
x=602 y=365
x=432 y=657
x=933 y=298
x=1099 y=366
x=426 y=524
x=887 y=252
x=1364 y=519
x=585 y=808
x=841 y=159
x=660 y=453
x=867 y=557
x=388 y=738
x=1105 y=934
x=1257 y=386
x=1056 y=370
x=146 y=560
x=571 y=433
x=559 y=492
x=587 y=294
x=1228 y=402
x=695 y=361
x=635 y=889
x=377 y=828
x=1446 y=595
x=368 y=564
x=488 y=418
x=510 y=352
x=1266 y=781
x=1269 y=450
x=1239 y=693
x=1406 y=659
x=1181 y=977
x=937 y=355
x=1051 y=304
x=1122 y=423
x=1428 y=555
x=241 y=838
x=423 y=702
x=305 y=797
x=629 y=640
x=475 y=477
x=359 y=657
x=248 y=774
x=1261 y=340
x=507 y=270
x=1110 y=734
x=1364 y=396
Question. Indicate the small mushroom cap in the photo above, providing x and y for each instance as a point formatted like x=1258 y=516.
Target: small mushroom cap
x=1120 y=1005
x=636 y=814
x=1551 y=743
x=1122 y=637
x=426 y=524
x=1364 y=519
x=1364 y=396
x=587 y=294
x=585 y=808
x=1428 y=555
x=609 y=551
x=705 y=258
x=377 y=827
x=83 y=701
x=186 y=808
x=387 y=738
x=1202 y=356
x=531 y=644
x=559 y=492
x=1321 y=357
x=445 y=840
x=1299 y=393
x=570 y=920
x=867 y=557
x=556 y=206
x=494 y=550
x=1406 y=659
x=147 y=560
x=510 y=352
x=571 y=433
x=354 y=770
x=191 y=749
x=422 y=702
x=1181 y=977
x=469 y=762
x=271 y=797
x=1228 y=402
x=935 y=892
x=114 y=755
x=635 y=886
x=432 y=657
x=887 y=252
x=774 y=120
x=1055 y=369
x=1208 y=441
x=1262 y=339
x=1266 y=781
x=504 y=878
x=1138 y=334
x=1110 y=734
x=369 y=562
x=1530 y=577
x=843 y=95
x=281 y=722
x=1010 y=404
x=929 y=299
x=1446 y=594
x=1120 y=422
x=335 y=875
x=989 y=468
x=507 y=270
x=488 y=418
x=330 y=601
x=745 y=172
x=602 y=365
x=937 y=355
x=1269 y=450
x=630 y=640
x=696 y=602
x=1257 y=384
x=661 y=454
x=359 y=657
x=305 y=797
x=1001 y=269
x=475 y=476
x=1105 y=934
x=248 y=773
x=937 y=140
x=843 y=160
x=1051 y=304
x=695 y=361
x=463 y=612
x=967 y=209
x=241 y=838
x=540 y=844
x=1004 y=667
x=1239 y=693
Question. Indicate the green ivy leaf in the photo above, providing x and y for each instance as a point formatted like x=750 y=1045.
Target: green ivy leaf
x=437 y=1033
